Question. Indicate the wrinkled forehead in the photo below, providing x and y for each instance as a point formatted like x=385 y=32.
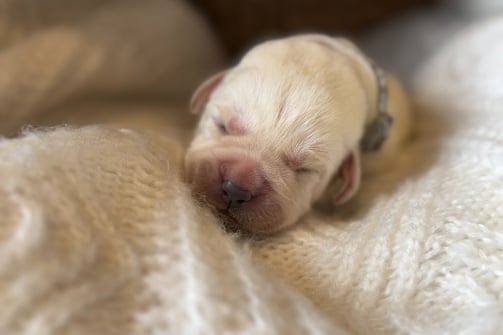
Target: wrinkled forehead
x=278 y=100
x=285 y=96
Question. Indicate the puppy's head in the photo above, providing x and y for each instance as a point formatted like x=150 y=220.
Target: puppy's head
x=281 y=129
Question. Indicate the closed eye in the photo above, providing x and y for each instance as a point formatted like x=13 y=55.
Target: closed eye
x=221 y=126
x=304 y=170
x=296 y=163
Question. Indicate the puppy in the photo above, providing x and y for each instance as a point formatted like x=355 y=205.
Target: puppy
x=285 y=128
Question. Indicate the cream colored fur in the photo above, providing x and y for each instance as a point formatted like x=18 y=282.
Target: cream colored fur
x=306 y=98
x=98 y=235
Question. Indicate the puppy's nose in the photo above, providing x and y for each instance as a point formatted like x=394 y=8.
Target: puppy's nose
x=233 y=195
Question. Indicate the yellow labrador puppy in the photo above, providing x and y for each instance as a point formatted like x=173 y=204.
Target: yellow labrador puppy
x=285 y=128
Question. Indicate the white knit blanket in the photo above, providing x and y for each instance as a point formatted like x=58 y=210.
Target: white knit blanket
x=98 y=235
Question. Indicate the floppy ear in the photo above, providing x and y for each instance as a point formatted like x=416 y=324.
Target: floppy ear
x=203 y=92
x=349 y=176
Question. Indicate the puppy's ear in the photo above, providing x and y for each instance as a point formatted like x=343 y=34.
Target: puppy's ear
x=348 y=178
x=203 y=92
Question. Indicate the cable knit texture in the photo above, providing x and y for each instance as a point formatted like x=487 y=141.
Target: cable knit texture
x=421 y=249
x=99 y=235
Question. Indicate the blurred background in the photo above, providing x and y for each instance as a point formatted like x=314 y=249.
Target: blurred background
x=398 y=34
x=126 y=61
x=240 y=24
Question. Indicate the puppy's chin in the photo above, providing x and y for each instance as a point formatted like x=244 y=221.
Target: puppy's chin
x=265 y=221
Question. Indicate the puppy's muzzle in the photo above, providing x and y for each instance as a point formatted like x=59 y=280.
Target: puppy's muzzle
x=233 y=195
x=238 y=184
x=229 y=179
x=242 y=180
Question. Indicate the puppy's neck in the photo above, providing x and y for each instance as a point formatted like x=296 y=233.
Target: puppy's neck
x=378 y=122
x=366 y=72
